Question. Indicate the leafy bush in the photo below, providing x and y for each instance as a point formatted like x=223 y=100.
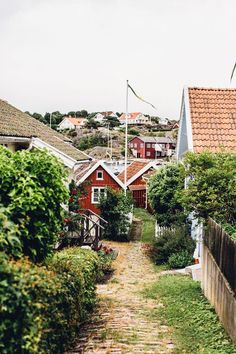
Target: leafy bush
x=115 y=207
x=32 y=190
x=180 y=260
x=9 y=234
x=172 y=240
x=91 y=141
x=134 y=132
x=211 y=186
x=164 y=194
x=41 y=308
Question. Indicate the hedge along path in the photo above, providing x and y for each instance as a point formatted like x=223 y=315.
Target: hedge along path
x=121 y=323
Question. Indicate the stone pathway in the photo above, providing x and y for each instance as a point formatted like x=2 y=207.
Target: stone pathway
x=123 y=321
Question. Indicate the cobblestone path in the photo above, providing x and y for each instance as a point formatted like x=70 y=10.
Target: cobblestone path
x=123 y=321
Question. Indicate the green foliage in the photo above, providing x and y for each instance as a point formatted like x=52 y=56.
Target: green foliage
x=133 y=131
x=41 y=308
x=181 y=259
x=9 y=235
x=164 y=194
x=91 y=141
x=32 y=189
x=171 y=241
x=91 y=123
x=115 y=207
x=112 y=121
x=195 y=325
x=212 y=186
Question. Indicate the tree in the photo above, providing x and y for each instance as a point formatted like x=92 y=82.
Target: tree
x=115 y=207
x=112 y=121
x=164 y=193
x=211 y=187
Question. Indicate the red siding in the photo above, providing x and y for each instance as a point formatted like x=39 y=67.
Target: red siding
x=142 y=151
x=91 y=181
x=139 y=196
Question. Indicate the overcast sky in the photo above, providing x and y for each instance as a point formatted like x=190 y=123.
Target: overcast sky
x=77 y=54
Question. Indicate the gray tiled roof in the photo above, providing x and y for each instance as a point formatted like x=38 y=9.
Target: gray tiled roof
x=15 y=123
x=156 y=139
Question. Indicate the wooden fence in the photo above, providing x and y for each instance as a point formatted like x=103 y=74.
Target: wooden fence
x=223 y=250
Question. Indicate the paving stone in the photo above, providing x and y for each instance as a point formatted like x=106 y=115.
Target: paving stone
x=119 y=325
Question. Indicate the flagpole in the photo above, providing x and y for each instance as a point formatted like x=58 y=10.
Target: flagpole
x=126 y=134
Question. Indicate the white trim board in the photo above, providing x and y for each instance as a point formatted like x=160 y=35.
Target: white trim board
x=94 y=167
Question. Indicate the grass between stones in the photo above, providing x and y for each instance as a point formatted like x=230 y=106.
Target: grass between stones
x=196 y=328
x=148 y=226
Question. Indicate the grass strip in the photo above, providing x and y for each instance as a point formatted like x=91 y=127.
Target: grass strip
x=148 y=227
x=196 y=327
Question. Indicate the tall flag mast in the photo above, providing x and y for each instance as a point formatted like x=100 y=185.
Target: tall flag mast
x=126 y=125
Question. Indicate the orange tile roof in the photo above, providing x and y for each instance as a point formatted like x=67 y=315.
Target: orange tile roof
x=132 y=169
x=75 y=121
x=213 y=119
x=133 y=115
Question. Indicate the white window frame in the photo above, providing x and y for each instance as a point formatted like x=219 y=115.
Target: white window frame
x=99 y=178
x=141 y=145
x=99 y=194
x=135 y=145
x=153 y=145
x=148 y=146
x=131 y=145
x=148 y=153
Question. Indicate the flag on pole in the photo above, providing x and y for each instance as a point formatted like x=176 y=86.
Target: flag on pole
x=232 y=74
x=140 y=98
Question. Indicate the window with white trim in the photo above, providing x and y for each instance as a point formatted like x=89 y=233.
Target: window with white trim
x=99 y=175
x=142 y=145
x=148 y=146
x=97 y=193
x=131 y=145
x=148 y=153
x=153 y=145
x=135 y=145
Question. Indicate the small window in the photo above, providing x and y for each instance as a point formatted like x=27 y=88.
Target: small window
x=135 y=145
x=142 y=146
x=99 y=175
x=153 y=145
x=131 y=145
x=97 y=193
x=148 y=146
x=148 y=153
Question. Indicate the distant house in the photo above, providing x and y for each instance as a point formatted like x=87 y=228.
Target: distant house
x=136 y=181
x=96 y=177
x=101 y=116
x=207 y=121
x=135 y=118
x=150 y=147
x=72 y=123
x=19 y=131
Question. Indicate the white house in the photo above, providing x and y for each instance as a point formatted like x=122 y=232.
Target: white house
x=135 y=118
x=101 y=116
x=207 y=123
x=72 y=123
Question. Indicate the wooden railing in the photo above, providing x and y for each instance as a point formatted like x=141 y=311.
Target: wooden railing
x=88 y=231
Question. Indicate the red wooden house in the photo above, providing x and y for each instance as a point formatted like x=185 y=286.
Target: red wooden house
x=136 y=181
x=96 y=177
x=150 y=147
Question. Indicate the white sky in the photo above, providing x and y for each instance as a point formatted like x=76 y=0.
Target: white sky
x=77 y=54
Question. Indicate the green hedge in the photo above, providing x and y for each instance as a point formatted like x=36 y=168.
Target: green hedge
x=41 y=307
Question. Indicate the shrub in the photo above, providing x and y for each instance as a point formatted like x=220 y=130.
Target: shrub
x=9 y=234
x=106 y=255
x=32 y=189
x=134 y=132
x=41 y=308
x=115 y=207
x=172 y=240
x=180 y=260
